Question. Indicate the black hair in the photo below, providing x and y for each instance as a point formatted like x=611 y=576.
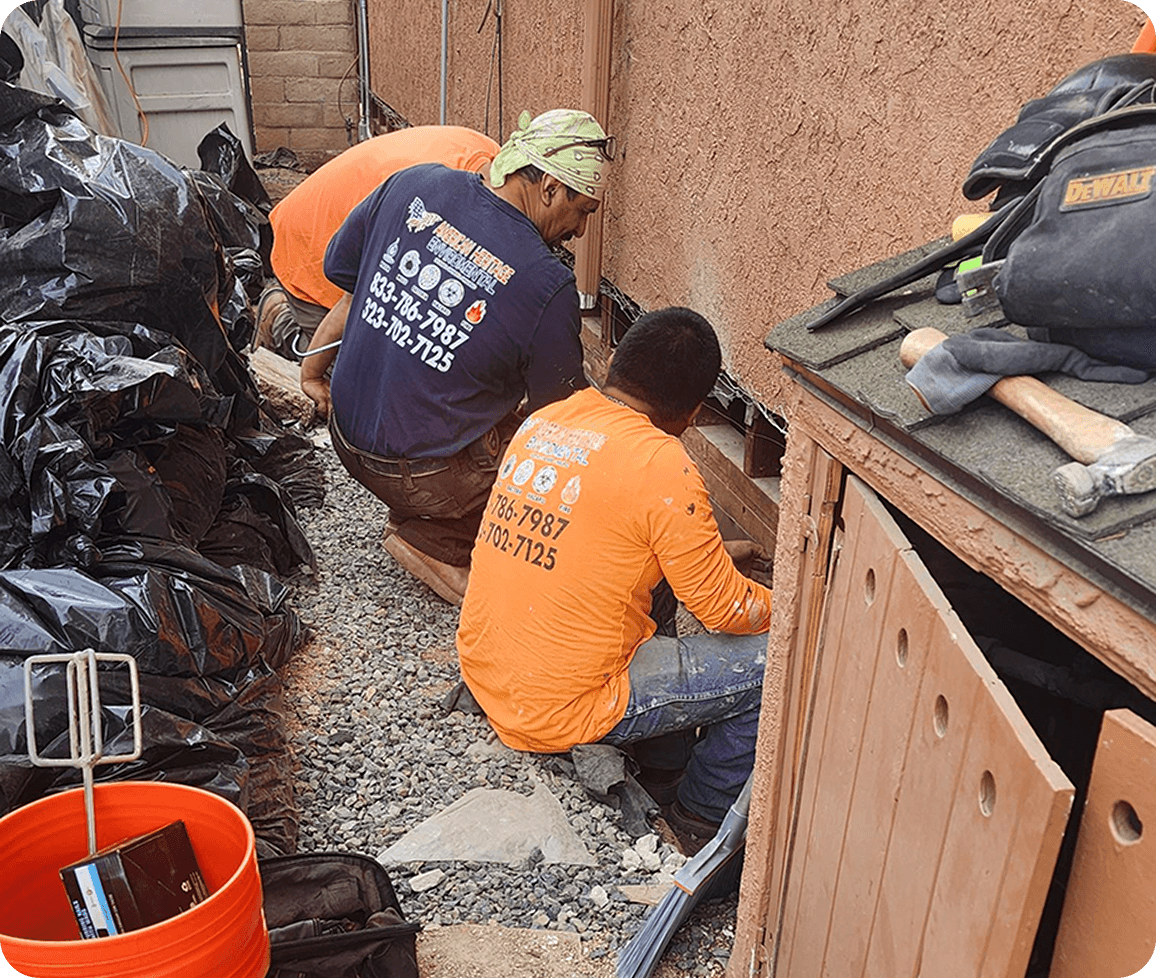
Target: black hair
x=669 y=359
x=531 y=174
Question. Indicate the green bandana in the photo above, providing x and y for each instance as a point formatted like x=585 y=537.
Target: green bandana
x=580 y=167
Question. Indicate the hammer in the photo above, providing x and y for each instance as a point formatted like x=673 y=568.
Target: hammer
x=1110 y=458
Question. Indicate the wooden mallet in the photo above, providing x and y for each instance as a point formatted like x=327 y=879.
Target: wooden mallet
x=1110 y=458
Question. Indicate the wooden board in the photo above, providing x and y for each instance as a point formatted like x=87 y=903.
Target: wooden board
x=1108 y=926
x=894 y=826
x=811 y=486
x=752 y=503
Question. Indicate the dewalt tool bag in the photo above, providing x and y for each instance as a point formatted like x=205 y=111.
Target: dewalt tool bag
x=1078 y=253
x=335 y=915
x=1070 y=250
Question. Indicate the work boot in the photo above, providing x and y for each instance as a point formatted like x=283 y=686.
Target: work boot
x=447 y=581
x=659 y=783
x=274 y=317
x=692 y=831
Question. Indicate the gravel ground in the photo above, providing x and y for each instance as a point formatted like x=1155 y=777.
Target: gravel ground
x=376 y=756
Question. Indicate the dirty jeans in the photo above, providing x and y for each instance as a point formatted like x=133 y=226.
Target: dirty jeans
x=709 y=681
x=435 y=503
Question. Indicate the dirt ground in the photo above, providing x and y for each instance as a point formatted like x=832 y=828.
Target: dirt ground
x=480 y=951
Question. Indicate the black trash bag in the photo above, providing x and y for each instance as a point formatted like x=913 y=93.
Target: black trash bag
x=175 y=612
x=255 y=526
x=120 y=436
x=96 y=228
x=175 y=751
x=221 y=152
x=290 y=460
x=214 y=702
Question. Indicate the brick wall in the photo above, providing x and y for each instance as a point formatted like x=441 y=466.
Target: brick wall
x=303 y=75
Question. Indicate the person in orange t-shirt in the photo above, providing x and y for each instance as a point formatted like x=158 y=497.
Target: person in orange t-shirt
x=312 y=212
x=595 y=503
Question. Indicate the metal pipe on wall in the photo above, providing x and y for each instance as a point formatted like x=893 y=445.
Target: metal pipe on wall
x=363 y=127
x=599 y=20
x=445 y=55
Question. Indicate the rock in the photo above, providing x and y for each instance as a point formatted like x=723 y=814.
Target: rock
x=426 y=881
x=599 y=897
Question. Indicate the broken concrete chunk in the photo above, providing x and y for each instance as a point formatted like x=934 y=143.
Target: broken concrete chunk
x=491 y=826
x=599 y=897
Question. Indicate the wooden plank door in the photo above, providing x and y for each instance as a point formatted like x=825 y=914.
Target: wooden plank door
x=1108 y=927
x=929 y=816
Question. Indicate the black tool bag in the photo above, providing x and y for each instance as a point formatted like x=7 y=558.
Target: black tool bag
x=1079 y=252
x=1073 y=258
x=1069 y=247
x=335 y=915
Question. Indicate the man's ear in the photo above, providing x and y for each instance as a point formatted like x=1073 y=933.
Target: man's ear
x=549 y=187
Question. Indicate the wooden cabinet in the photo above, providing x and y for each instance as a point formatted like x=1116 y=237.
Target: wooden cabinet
x=922 y=822
x=906 y=819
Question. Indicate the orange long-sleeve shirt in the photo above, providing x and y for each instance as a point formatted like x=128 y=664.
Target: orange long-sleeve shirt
x=309 y=215
x=1146 y=41
x=593 y=505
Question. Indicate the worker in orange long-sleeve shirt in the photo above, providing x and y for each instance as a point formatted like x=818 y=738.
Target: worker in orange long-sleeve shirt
x=312 y=212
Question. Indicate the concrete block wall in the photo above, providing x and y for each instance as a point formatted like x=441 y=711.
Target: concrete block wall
x=303 y=75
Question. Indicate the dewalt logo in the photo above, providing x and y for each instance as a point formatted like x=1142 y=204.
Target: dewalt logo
x=1108 y=188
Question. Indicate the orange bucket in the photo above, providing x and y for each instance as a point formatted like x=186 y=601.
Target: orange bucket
x=222 y=937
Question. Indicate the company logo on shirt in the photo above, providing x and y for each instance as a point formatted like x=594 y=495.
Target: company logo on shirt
x=508 y=466
x=523 y=473
x=572 y=490
x=545 y=479
x=451 y=292
x=477 y=312
x=390 y=255
x=419 y=218
x=410 y=263
x=429 y=277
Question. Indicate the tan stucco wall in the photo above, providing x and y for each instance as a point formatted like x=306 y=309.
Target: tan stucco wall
x=768 y=147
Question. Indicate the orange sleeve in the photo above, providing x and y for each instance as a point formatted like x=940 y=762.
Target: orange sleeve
x=1146 y=42
x=694 y=561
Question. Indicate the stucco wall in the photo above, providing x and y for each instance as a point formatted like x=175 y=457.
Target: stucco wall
x=767 y=146
x=541 y=54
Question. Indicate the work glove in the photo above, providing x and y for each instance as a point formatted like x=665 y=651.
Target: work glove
x=964 y=367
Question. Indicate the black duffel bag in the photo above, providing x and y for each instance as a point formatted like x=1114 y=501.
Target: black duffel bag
x=335 y=915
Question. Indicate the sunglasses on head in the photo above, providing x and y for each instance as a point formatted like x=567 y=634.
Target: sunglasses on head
x=608 y=147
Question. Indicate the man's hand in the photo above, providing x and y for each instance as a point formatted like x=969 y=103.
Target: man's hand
x=317 y=390
x=750 y=559
x=314 y=379
x=742 y=551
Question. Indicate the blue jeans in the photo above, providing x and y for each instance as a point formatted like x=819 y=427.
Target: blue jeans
x=710 y=681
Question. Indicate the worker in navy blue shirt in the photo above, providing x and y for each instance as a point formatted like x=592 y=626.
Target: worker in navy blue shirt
x=454 y=311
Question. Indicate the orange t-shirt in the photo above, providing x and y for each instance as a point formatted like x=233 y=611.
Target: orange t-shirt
x=593 y=505
x=309 y=215
x=1146 y=41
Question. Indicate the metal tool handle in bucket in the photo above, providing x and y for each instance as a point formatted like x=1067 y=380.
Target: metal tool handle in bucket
x=85 y=730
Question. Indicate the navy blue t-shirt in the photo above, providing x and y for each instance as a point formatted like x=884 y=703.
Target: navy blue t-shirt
x=458 y=309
